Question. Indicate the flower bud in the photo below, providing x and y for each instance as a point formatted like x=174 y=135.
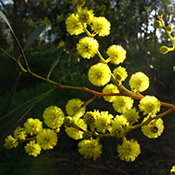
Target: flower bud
x=169 y=29
x=163 y=50
x=89 y=117
x=68 y=121
x=87 y=135
x=160 y=12
x=174 y=68
x=80 y=3
x=157 y=24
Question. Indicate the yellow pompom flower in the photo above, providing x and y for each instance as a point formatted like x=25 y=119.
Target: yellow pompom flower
x=110 y=88
x=172 y=171
x=139 y=82
x=117 y=54
x=32 y=148
x=99 y=74
x=131 y=115
x=85 y=15
x=119 y=125
x=101 y=26
x=90 y=116
x=47 y=139
x=122 y=104
x=87 y=47
x=129 y=150
x=90 y=148
x=153 y=129
x=102 y=123
x=53 y=117
x=73 y=25
x=10 y=142
x=33 y=126
x=149 y=105
x=20 y=133
x=120 y=73
x=74 y=108
x=75 y=133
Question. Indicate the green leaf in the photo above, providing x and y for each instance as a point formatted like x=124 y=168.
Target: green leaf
x=10 y=97
x=11 y=119
x=52 y=67
x=34 y=35
x=5 y=19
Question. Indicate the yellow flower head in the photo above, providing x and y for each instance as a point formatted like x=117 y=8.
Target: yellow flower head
x=33 y=126
x=99 y=74
x=120 y=73
x=117 y=54
x=90 y=116
x=32 y=148
x=102 y=123
x=20 y=133
x=73 y=25
x=110 y=88
x=122 y=104
x=85 y=15
x=74 y=132
x=53 y=117
x=10 y=142
x=154 y=129
x=101 y=26
x=129 y=150
x=172 y=171
x=119 y=125
x=47 y=139
x=74 y=108
x=149 y=105
x=87 y=47
x=131 y=115
x=139 y=82
x=90 y=148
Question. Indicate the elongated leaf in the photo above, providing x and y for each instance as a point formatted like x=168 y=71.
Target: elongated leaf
x=34 y=35
x=10 y=97
x=5 y=19
x=52 y=67
x=11 y=119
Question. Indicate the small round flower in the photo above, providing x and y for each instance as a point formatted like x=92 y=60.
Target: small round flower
x=129 y=150
x=73 y=25
x=122 y=104
x=53 y=117
x=169 y=28
x=149 y=105
x=87 y=47
x=47 y=139
x=80 y=3
x=131 y=115
x=165 y=49
x=174 y=68
x=32 y=148
x=90 y=116
x=99 y=74
x=172 y=171
x=10 y=142
x=101 y=26
x=154 y=129
x=74 y=108
x=120 y=74
x=102 y=123
x=90 y=148
x=139 y=82
x=157 y=24
x=75 y=133
x=119 y=125
x=117 y=54
x=33 y=126
x=85 y=15
x=110 y=88
x=20 y=133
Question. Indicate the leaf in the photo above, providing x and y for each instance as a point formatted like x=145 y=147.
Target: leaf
x=11 y=119
x=34 y=35
x=52 y=67
x=5 y=19
x=10 y=97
